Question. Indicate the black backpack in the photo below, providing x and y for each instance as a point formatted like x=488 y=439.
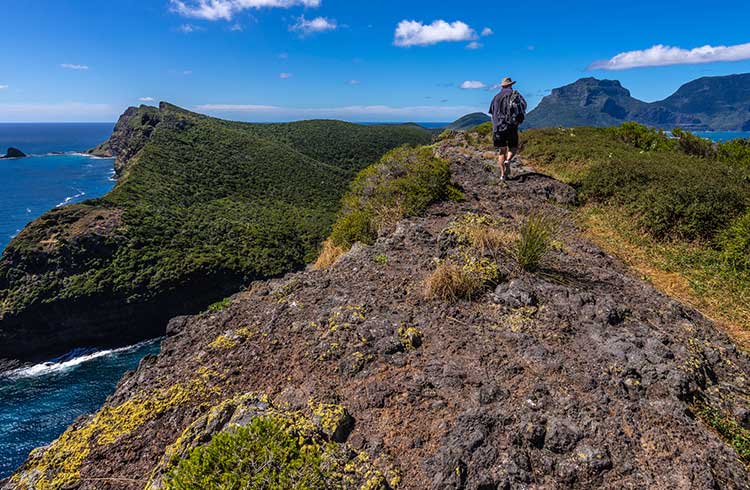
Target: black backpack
x=515 y=111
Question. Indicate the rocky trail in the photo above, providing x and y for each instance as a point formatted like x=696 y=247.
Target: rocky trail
x=583 y=376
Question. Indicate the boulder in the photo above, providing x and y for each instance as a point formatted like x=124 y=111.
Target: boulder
x=14 y=153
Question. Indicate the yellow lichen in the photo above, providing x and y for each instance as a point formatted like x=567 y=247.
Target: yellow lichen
x=223 y=342
x=410 y=337
x=59 y=465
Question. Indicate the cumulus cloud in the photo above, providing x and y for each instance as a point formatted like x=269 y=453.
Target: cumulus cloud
x=413 y=33
x=662 y=55
x=318 y=24
x=368 y=113
x=472 y=85
x=474 y=45
x=3 y=87
x=227 y=9
x=146 y=99
x=285 y=76
x=69 y=66
x=487 y=32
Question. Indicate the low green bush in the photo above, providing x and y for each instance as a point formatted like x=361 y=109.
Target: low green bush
x=691 y=144
x=734 y=243
x=267 y=454
x=403 y=183
x=643 y=137
x=735 y=151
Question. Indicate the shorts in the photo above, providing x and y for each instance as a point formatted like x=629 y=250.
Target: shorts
x=507 y=138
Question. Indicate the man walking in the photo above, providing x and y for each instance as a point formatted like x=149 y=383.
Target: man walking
x=508 y=110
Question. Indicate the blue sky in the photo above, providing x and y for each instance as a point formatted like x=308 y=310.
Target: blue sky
x=264 y=60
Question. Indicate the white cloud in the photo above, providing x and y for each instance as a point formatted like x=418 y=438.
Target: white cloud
x=354 y=82
x=381 y=113
x=187 y=72
x=3 y=87
x=487 y=32
x=146 y=99
x=661 y=55
x=472 y=85
x=226 y=9
x=188 y=28
x=413 y=33
x=318 y=24
x=236 y=27
x=285 y=76
x=69 y=66
x=64 y=111
x=474 y=45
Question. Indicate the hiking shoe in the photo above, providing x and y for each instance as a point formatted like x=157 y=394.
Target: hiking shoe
x=503 y=178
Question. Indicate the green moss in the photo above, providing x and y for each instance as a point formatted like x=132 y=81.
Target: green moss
x=220 y=305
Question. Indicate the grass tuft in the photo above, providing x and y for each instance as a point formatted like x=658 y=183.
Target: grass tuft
x=535 y=241
x=329 y=255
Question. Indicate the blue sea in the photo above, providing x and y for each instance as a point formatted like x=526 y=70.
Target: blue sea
x=720 y=136
x=38 y=402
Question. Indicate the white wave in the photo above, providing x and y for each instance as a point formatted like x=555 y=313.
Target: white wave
x=46 y=368
x=70 y=198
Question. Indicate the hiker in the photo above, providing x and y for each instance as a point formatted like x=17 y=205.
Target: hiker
x=508 y=110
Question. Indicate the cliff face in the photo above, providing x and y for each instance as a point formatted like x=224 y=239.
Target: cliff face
x=130 y=135
x=202 y=206
x=711 y=103
x=582 y=376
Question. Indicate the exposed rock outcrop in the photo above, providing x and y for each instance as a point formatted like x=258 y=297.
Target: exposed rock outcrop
x=14 y=153
x=580 y=377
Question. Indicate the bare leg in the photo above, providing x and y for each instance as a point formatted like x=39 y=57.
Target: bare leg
x=501 y=157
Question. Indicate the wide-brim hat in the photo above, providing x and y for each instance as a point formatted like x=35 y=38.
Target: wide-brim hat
x=508 y=82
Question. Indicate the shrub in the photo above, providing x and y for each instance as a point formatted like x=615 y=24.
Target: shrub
x=404 y=183
x=736 y=152
x=267 y=454
x=643 y=137
x=688 y=206
x=534 y=242
x=694 y=145
x=734 y=243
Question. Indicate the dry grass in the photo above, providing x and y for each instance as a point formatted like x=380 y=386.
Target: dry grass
x=484 y=234
x=451 y=282
x=329 y=255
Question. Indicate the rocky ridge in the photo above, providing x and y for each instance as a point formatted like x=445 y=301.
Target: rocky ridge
x=580 y=377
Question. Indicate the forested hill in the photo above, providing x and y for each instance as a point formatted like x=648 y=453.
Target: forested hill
x=202 y=207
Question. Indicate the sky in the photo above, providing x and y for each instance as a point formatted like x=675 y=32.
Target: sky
x=408 y=60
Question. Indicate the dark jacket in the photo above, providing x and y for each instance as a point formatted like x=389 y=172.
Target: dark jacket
x=499 y=110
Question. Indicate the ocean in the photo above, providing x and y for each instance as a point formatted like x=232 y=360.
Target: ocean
x=38 y=403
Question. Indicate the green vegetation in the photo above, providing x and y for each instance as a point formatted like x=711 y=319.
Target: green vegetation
x=534 y=242
x=668 y=206
x=267 y=454
x=206 y=203
x=276 y=450
x=403 y=183
x=733 y=433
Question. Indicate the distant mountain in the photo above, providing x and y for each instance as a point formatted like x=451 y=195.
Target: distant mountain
x=709 y=103
x=469 y=121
